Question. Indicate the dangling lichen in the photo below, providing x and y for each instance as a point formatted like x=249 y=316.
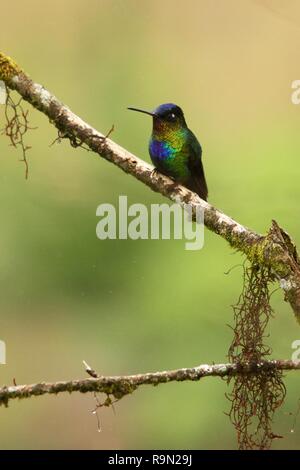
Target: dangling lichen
x=16 y=126
x=254 y=397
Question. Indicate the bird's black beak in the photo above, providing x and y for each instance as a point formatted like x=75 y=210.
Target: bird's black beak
x=142 y=111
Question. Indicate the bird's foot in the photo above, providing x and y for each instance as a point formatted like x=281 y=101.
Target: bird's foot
x=154 y=173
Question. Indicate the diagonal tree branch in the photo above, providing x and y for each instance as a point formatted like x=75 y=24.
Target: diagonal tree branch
x=119 y=386
x=274 y=250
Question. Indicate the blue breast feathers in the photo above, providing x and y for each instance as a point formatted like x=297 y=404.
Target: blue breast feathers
x=160 y=150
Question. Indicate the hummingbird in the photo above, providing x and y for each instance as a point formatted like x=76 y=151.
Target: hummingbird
x=174 y=149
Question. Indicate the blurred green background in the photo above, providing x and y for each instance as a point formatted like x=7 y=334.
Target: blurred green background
x=135 y=306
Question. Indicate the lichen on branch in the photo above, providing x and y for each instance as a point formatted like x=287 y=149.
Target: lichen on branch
x=8 y=68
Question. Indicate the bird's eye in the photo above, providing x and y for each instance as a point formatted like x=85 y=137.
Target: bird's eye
x=172 y=117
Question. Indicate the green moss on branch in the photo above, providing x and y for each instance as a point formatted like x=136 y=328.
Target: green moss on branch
x=8 y=68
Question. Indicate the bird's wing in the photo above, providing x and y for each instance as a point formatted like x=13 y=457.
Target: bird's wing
x=197 y=182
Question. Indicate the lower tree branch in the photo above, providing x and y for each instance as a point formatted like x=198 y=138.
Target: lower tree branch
x=119 y=386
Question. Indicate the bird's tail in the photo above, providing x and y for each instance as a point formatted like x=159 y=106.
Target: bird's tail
x=197 y=182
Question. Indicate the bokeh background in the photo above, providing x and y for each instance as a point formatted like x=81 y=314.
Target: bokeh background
x=135 y=306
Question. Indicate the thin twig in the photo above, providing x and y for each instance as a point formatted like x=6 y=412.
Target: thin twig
x=119 y=386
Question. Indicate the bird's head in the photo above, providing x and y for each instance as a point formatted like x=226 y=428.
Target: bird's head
x=166 y=116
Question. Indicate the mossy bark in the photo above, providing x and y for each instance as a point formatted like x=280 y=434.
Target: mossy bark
x=8 y=68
